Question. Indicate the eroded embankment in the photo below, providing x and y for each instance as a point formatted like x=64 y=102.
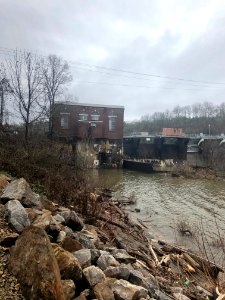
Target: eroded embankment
x=57 y=254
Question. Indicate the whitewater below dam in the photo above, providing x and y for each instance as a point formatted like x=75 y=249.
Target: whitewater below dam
x=165 y=201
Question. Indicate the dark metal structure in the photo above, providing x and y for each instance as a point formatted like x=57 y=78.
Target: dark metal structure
x=155 y=147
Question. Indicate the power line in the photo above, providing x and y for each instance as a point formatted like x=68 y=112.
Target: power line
x=127 y=71
x=135 y=86
x=146 y=74
x=147 y=79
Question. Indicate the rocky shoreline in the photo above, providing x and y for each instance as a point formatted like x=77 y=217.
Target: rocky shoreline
x=55 y=253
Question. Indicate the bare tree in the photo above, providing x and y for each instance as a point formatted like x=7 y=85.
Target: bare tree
x=56 y=76
x=5 y=89
x=25 y=75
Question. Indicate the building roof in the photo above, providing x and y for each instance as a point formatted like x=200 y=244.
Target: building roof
x=88 y=104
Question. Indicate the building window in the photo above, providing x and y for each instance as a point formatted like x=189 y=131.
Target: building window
x=112 y=123
x=83 y=117
x=64 y=121
x=95 y=117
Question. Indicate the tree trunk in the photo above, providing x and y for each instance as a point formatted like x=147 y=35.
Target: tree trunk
x=2 y=106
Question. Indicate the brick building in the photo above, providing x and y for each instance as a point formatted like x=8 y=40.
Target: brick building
x=81 y=121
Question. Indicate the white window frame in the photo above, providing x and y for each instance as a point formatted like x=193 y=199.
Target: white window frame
x=112 y=123
x=64 y=122
x=83 y=117
x=95 y=117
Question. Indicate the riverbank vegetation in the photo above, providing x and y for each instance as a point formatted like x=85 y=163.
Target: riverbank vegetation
x=52 y=168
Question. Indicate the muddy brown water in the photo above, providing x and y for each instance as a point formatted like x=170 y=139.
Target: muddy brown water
x=165 y=201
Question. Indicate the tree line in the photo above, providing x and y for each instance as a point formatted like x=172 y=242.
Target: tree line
x=29 y=87
x=205 y=118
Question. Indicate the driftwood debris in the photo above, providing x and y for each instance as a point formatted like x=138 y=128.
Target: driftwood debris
x=160 y=257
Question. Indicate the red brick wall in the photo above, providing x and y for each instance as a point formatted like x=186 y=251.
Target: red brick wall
x=172 y=132
x=79 y=129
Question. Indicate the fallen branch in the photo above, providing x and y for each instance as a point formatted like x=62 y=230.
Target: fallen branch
x=153 y=253
x=118 y=224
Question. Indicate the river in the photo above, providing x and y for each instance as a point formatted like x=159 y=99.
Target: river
x=165 y=201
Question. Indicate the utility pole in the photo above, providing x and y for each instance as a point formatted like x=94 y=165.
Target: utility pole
x=209 y=130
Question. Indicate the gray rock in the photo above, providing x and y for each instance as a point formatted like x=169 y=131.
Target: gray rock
x=149 y=283
x=69 y=232
x=95 y=253
x=93 y=275
x=120 y=272
x=59 y=219
x=20 y=190
x=106 y=260
x=65 y=213
x=72 y=220
x=84 y=257
x=16 y=215
x=161 y=296
x=141 y=267
x=85 y=241
x=91 y=234
x=75 y=222
x=124 y=290
x=122 y=256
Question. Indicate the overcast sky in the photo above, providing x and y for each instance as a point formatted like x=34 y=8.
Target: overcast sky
x=169 y=38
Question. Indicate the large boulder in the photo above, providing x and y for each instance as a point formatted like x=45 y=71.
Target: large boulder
x=58 y=218
x=122 y=256
x=105 y=260
x=20 y=190
x=72 y=220
x=93 y=275
x=120 y=272
x=84 y=240
x=33 y=263
x=16 y=215
x=84 y=257
x=68 y=264
x=102 y=290
x=124 y=290
x=149 y=283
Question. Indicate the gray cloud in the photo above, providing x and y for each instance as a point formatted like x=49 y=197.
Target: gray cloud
x=184 y=39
